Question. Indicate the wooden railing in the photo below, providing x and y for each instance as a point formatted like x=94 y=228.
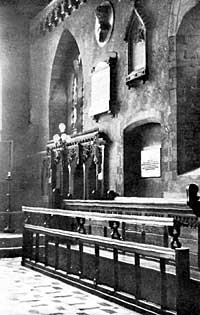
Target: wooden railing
x=54 y=218
x=84 y=260
x=188 y=225
x=157 y=207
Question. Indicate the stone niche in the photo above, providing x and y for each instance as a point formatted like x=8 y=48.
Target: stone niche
x=104 y=14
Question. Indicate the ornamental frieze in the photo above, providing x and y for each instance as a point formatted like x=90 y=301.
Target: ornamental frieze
x=79 y=149
x=73 y=153
x=54 y=14
x=87 y=151
x=92 y=151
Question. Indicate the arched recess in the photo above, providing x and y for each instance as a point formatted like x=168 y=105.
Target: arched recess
x=66 y=87
x=182 y=130
x=188 y=91
x=142 y=160
x=66 y=103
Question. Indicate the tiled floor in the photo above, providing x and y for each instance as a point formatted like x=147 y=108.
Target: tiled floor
x=26 y=292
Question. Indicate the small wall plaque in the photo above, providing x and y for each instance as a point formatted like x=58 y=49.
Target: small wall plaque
x=150 y=161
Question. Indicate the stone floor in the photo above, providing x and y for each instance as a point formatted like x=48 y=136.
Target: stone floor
x=26 y=292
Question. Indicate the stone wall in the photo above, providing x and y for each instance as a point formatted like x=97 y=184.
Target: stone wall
x=14 y=38
x=144 y=103
x=16 y=125
x=29 y=71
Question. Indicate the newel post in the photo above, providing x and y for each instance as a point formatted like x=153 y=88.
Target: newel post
x=182 y=281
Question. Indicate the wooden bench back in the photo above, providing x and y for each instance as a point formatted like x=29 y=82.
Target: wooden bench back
x=131 y=219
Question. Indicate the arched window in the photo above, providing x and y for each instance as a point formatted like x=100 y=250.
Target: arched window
x=66 y=90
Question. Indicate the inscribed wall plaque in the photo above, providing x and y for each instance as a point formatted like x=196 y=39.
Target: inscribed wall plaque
x=150 y=161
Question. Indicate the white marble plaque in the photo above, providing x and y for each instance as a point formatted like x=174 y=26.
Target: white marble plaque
x=150 y=161
x=100 y=89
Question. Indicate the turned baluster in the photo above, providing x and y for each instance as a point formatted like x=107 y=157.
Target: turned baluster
x=69 y=267
x=96 y=278
x=81 y=228
x=114 y=225
x=56 y=253
x=37 y=244
x=174 y=232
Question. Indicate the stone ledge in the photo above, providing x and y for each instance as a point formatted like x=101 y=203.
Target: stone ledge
x=10 y=252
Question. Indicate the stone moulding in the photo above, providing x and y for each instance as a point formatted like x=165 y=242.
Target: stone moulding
x=52 y=15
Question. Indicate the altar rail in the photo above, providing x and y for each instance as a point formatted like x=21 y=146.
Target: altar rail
x=157 y=207
x=161 y=207
x=104 y=266
x=118 y=223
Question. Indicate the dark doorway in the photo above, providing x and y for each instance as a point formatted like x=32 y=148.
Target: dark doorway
x=136 y=140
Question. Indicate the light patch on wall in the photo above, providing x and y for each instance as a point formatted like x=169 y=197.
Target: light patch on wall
x=150 y=161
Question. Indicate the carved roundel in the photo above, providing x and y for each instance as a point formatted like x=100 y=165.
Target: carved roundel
x=104 y=14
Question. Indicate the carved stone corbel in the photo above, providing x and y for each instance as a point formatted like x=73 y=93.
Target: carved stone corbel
x=87 y=151
x=73 y=154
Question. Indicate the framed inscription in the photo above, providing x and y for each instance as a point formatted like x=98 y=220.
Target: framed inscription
x=151 y=161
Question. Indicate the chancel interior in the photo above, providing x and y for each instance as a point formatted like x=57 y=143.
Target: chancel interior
x=100 y=140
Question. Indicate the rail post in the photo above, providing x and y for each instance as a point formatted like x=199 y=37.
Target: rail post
x=182 y=281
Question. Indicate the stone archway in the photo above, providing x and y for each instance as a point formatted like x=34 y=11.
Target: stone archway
x=188 y=91
x=66 y=87
x=179 y=9
x=66 y=101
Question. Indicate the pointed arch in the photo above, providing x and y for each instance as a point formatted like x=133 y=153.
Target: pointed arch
x=179 y=9
x=66 y=86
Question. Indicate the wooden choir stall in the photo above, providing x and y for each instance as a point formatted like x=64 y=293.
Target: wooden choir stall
x=77 y=167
